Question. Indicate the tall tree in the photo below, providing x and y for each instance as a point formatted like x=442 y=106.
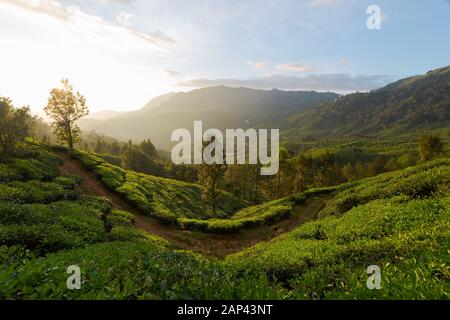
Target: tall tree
x=326 y=172
x=285 y=165
x=65 y=107
x=142 y=158
x=14 y=125
x=210 y=175
x=430 y=146
x=348 y=171
x=302 y=163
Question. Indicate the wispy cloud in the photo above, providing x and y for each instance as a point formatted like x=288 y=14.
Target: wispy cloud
x=171 y=74
x=326 y=82
x=260 y=65
x=73 y=16
x=128 y=2
x=297 y=67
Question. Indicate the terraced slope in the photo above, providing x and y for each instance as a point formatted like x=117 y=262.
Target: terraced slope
x=399 y=221
x=210 y=244
x=180 y=204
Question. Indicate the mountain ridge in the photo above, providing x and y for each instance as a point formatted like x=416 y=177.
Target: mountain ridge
x=406 y=105
x=409 y=104
x=218 y=107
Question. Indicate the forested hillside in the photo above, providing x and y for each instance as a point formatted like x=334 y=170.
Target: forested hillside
x=406 y=106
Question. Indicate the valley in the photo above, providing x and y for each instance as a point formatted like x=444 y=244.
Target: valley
x=140 y=227
x=216 y=245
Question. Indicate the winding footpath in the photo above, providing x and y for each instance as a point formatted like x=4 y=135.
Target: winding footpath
x=217 y=245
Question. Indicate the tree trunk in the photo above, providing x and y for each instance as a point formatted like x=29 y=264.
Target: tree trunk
x=214 y=198
x=278 y=184
x=69 y=127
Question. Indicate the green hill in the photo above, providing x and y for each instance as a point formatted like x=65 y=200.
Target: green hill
x=161 y=198
x=405 y=106
x=399 y=221
x=181 y=204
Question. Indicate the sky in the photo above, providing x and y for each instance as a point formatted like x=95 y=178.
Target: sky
x=121 y=53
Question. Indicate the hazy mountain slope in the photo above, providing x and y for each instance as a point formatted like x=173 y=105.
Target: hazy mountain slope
x=104 y=115
x=409 y=104
x=218 y=107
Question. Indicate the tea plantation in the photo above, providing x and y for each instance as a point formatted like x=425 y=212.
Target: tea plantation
x=399 y=221
x=180 y=203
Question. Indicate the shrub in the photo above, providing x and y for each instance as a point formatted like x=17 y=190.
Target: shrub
x=118 y=217
x=34 y=192
x=69 y=182
x=8 y=174
x=161 y=198
x=101 y=204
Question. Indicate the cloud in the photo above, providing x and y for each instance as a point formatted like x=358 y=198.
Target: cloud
x=171 y=74
x=73 y=17
x=261 y=65
x=342 y=83
x=297 y=67
x=47 y=7
x=127 y=2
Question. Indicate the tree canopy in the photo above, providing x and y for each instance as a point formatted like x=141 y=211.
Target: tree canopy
x=65 y=107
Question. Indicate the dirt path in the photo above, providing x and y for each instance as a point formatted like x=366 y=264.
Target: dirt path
x=218 y=245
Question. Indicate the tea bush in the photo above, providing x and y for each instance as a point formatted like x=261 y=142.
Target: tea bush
x=328 y=258
x=399 y=221
x=414 y=182
x=162 y=198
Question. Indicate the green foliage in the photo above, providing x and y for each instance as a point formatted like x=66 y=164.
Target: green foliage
x=118 y=217
x=99 y=203
x=399 y=221
x=401 y=107
x=162 y=198
x=430 y=146
x=68 y=182
x=49 y=228
x=142 y=158
x=65 y=107
x=35 y=163
x=127 y=270
x=34 y=192
x=328 y=258
x=7 y=173
x=14 y=126
x=265 y=214
x=210 y=175
x=414 y=182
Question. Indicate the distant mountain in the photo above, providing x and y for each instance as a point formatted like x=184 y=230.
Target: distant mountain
x=404 y=106
x=104 y=115
x=218 y=107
